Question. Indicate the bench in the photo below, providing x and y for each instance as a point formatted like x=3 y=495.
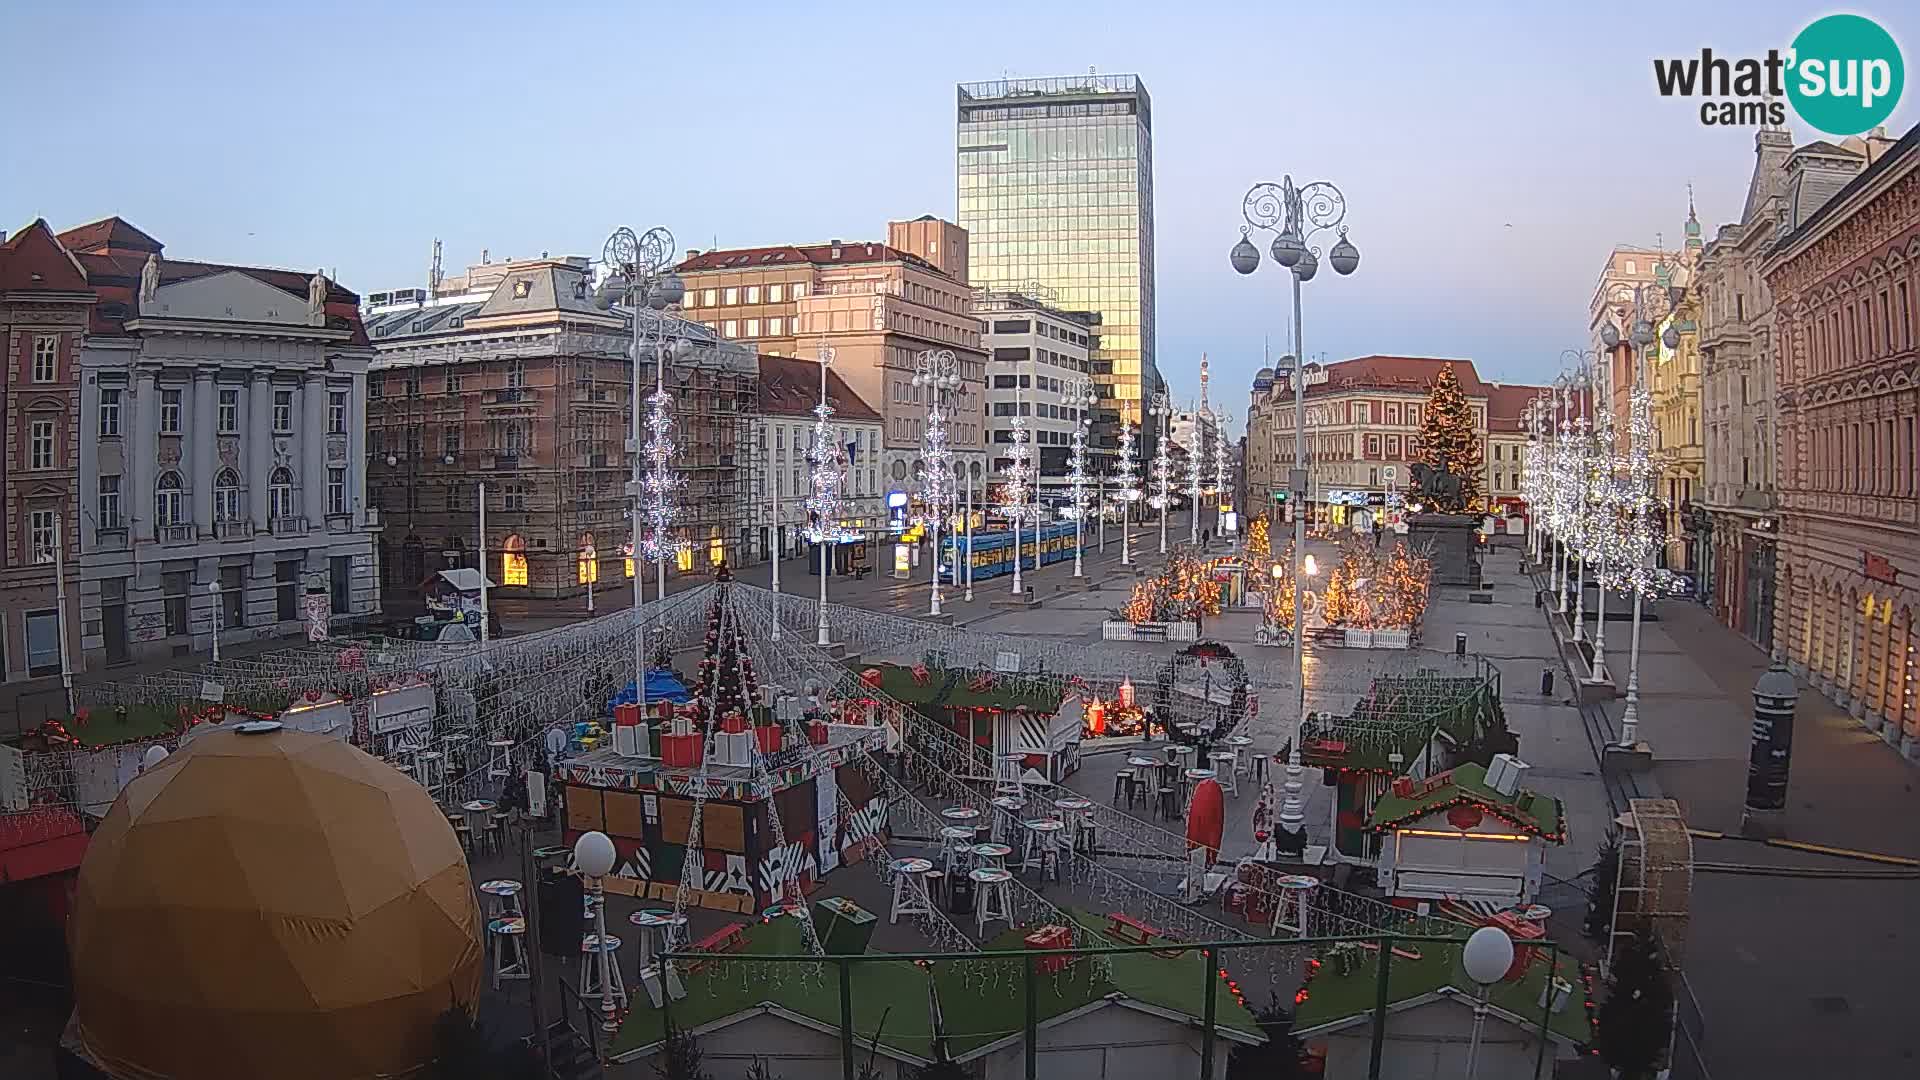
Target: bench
x=1124 y=927
x=729 y=938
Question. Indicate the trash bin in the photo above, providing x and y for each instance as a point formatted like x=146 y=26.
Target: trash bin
x=1459 y=644
x=1546 y=682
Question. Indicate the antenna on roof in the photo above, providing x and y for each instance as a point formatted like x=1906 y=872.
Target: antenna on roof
x=433 y=275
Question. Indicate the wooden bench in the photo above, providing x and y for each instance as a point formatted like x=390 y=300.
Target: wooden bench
x=1124 y=927
x=729 y=938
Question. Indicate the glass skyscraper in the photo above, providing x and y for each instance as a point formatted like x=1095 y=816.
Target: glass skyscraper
x=1056 y=192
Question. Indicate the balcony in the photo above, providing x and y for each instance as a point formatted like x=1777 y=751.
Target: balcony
x=234 y=529
x=501 y=462
x=288 y=526
x=174 y=534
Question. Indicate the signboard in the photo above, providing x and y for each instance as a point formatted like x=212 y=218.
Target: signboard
x=1006 y=662
x=399 y=709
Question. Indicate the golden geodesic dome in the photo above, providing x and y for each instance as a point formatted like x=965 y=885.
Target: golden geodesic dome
x=276 y=904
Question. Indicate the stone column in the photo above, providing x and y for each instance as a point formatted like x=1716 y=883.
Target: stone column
x=357 y=449
x=201 y=456
x=312 y=443
x=142 y=449
x=259 y=446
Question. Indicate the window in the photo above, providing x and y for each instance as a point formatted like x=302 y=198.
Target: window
x=286 y=594
x=168 y=503
x=733 y=297
x=40 y=444
x=450 y=441
x=109 y=412
x=708 y=298
x=730 y=329
x=413 y=384
x=46 y=358
x=453 y=382
x=799 y=290
x=175 y=586
x=283 y=411
x=337 y=412
x=753 y=294
x=773 y=327
x=336 y=491
x=109 y=503
x=232 y=612
x=226 y=495
x=516 y=374
x=514 y=497
x=773 y=294
x=169 y=412
x=227 y=417
x=40 y=532
x=1632 y=267
x=513 y=566
x=43 y=642
x=753 y=327
x=279 y=495
x=340 y=573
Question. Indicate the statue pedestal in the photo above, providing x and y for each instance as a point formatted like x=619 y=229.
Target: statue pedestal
x=1451 y=543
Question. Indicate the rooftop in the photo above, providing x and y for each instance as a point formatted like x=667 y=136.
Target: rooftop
x=791 y=387
x=33 y=260
x=1336 y=1000
x=831 y=253
x=1464 y=784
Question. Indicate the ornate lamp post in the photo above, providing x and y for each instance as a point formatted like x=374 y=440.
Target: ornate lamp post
x=939 y=371
x=1162 y=464
x=1637 y=499
x=637 y=276
x=1296 y=215
x=1128 y=491
x=1221 y=473
x=1016 y=492
x=1562 y=449
x=824 y=503
x=1079 y=394
x=1599 y=507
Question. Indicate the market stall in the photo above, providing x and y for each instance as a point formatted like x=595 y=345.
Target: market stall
x=1469 y=833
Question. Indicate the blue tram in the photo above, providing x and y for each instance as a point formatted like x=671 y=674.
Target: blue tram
x=992 y=552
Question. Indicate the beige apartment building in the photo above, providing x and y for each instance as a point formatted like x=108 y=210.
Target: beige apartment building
x=877 y=307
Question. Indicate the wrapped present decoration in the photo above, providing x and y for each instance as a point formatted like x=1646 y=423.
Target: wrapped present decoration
x=920 y=674
x=680 y=751
x=817 y=732
x=870 y=678
x=770 y=737
x=734 y=722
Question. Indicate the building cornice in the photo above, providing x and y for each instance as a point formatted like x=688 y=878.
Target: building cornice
x=153 y=327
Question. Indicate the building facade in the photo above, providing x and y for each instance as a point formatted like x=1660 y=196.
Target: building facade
x=877 y=307
x=1507 y=439
x=1055 y=187
x=789 y=389
x=44 y=308
x=1675 y=386
x=1037 y=356
x=1628 y=268
x=1845 y=292
x=220 y=413
x=515 y=378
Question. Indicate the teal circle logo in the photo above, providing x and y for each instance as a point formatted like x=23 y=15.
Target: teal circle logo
x=1845 y=74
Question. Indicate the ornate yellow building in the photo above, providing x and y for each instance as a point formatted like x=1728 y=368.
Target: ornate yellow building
x=1675 y=385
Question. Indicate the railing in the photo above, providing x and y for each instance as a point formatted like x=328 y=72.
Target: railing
x=503 y=461
x=233 y=529
x=174 y=534
x=288 y=526
x=985 y=996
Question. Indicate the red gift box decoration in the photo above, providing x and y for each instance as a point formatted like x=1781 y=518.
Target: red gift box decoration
x=769 y=737
x=626 y=715
x=733 y=723
x=817 y=732
x=871 y=677
x=681 y=751
x=920 y=674
x=1403 y=787
x=1051 y=937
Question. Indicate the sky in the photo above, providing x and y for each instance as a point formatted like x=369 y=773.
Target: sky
x=1490 y=154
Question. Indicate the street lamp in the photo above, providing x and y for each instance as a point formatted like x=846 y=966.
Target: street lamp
x=1296 y=215
x=825 y=501
x=1080 y=397
x=637 y=276
x=1162 y=413
x=1637 y=500
x=939 y=371
x=1599 y=505
x=1016 y=494
x=593 y=856
x=213 y=590
x=1487 y=957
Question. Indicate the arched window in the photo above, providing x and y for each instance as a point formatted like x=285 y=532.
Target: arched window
x=513 y=561
x=226 y=495
x=169 y=507
x=280 y=495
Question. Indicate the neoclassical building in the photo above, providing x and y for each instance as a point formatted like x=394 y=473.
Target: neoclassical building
x=220 y=467
x=1846 y=281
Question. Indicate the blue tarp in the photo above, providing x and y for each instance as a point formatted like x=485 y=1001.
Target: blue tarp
x=663 y=684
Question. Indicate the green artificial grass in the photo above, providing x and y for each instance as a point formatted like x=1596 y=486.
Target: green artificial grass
x=948 y=688
x=981 y=1002
x=104 y=727
x=1332 y=997
x=1469 y=782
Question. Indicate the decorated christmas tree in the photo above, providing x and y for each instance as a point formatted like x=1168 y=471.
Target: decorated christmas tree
x=1337 y=604
x=1258 y=547
x=1448 y=441
x=1637 y=1017
x=725 y=683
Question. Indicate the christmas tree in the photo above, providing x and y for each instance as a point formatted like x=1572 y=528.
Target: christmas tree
x=725 y=684
x=1637 y=1018
x=1448 y=442
x=1258 y=547
x=1337 y=602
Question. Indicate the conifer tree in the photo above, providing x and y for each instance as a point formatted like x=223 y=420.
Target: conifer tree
x=1448 y=441
x=1636 y=1019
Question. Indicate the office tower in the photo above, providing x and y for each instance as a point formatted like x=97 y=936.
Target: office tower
x=1056 y=192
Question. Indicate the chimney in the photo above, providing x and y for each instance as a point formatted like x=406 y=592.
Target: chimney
x=693 y=253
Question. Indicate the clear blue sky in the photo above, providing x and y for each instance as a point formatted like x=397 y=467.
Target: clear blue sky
x=1490 y=154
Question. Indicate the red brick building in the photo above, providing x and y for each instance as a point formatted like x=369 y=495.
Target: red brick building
x=1846 y=290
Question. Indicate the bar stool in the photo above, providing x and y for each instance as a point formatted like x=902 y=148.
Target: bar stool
x=431 y=770
x=1123 y=785
x=956 y=843
x=499 y=758
x=1226 y=769
x=509 y=948
x=590 y=946
x=504 y=894
x=1074 y=811
x=1086 y=835
x=1168 y=806
x=657 y=925
x=1243 y=755
x=1043 y=838
x=455 y=745
x=1007 y=808
x=990 y=900
x=937 y=886
x=910 y=887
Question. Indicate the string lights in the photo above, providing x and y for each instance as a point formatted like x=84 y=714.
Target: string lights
x=1128 y=493
x=1016 y=492
x=662 y=484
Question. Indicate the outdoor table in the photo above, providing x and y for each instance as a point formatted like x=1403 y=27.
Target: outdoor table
x=554 y=851
x=654 y=923
x=960 y=813
x=1071 y=805
x=1046 y=832
x=506 y=895
x=477 y=811
x=992 y=854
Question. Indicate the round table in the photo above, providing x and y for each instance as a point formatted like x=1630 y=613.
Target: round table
x=501 y=887
x=996 y=853
x=654 y=923
x=1194 y=776
x=1239 y=742
x=508 y=924
x=957 y=832
x=960 y=813
x=1223 y=760
x=912 y=864
x=1072 y=805
x=477 y=811
x=1142 y=762
x=501 y=751
x=1180 y=752
x=1009 y=803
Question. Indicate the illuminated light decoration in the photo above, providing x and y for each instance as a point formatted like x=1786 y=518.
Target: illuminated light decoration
x=1162 y=477
x=1128 y=476
x=1632 y=567
x=1423 y=810
x=1077 y=477
x=661 y=485
x=1221 y=474
x=826 y=502
x=1016 y=490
